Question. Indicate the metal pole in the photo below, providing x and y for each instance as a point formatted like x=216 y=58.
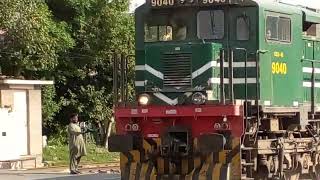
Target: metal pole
x=245 y=82
x=257 y=88
x=222 y=94
x=312 y=91
x=246 y=77
x=230 y=72
x=122 y=77
x=115 y=79
x=126 y=80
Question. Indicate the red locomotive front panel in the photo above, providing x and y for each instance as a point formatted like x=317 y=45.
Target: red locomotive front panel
x=185 y=141
x=152 y=121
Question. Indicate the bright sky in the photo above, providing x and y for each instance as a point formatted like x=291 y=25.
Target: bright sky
x=309 y=3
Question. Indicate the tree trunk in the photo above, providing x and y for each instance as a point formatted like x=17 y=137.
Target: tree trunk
x=100 y=134
x=108 y=131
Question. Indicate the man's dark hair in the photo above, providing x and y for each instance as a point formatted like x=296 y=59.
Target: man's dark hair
x=73 y=115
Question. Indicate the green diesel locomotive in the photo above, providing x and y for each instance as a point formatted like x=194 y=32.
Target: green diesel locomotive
x=226 y=89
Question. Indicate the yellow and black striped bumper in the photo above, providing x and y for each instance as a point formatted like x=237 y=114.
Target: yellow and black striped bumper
x=223 y=165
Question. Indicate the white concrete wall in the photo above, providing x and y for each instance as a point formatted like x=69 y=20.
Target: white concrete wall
x=32 y=134
x=35 y=124
x=9 y=141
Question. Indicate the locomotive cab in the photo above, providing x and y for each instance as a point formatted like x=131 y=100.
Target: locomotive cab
x=178 y=52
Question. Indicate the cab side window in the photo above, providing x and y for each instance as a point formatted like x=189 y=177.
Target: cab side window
x=243 y=31
x=278 y=29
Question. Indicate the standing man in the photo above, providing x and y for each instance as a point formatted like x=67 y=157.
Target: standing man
x=77 y=146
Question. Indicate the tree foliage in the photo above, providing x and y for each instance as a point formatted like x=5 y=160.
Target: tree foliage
x=32 y=40
x=71 y=42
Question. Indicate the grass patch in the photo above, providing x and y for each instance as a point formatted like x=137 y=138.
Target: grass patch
x=58 y=155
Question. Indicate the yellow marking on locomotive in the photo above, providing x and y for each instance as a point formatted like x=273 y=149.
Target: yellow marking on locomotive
x=236 y=162
x=203 y=172
x=184 y=166
x=172 y=168
x=136 y=155
x=189 y=176
x=210 y=158
x=235 y=166
x=146 y=146
x=153 y=175
x=235 y=142
x=143 y=172
x=160 y=163
x=133 y=170
x=216 y=171
x=158 y=141
x=278 y=54
x=195 y=145
x=196 y=160
x=223 y=156
x=123 y=161
x=279 y=68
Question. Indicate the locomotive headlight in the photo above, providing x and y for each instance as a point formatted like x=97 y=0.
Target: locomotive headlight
x=144 y=99
x=198 y=98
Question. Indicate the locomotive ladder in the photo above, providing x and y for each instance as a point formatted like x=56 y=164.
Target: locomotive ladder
x=249 y=144
x=251 y=120
x=120 y=78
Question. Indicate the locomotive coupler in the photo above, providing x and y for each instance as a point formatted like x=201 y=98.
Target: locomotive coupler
x=175 y=142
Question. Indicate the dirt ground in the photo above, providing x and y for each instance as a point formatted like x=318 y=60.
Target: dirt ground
x=105 y=172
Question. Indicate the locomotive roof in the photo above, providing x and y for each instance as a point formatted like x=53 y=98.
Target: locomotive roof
x=310 y=15
x=272 y=5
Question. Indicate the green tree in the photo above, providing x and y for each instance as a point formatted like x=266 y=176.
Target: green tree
x=84 y=73
x=71 y=42
x=32 y=40
x=30 y=46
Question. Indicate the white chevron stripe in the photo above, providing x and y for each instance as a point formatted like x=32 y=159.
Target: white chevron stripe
x=140 y=67
x=139 y=83
x=204 y=69
x=196 y=73
x=238 y=64
x=309 y=70
x=235 y=80
x=150 y=70
x=308 y=84
x=225 y=64
x=241 y=64
x=166 y=99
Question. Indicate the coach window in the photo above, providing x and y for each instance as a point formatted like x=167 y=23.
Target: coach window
x=243 y=31
x=278 y=29
x=210 y=24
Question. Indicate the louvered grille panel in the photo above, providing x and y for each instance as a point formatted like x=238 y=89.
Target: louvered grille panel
x=177 y=70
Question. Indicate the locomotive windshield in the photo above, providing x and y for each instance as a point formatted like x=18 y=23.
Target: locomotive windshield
x=178 y=26
x=210 y=24
x=166 y=27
